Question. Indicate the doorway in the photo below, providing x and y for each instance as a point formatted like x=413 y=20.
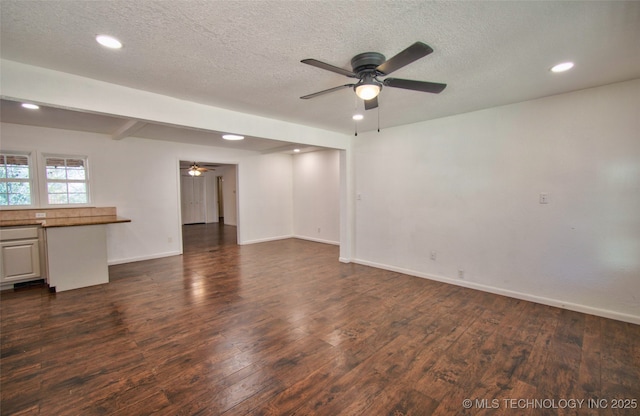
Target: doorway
x=208 y=197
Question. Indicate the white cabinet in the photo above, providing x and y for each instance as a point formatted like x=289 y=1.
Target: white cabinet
x=19 y=255
x=76 y=256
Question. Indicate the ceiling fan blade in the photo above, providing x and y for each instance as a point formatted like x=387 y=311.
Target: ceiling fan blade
x=371 y=104
x=328 y=67
x=315 y=94
x=412 y=53
x=407 y=84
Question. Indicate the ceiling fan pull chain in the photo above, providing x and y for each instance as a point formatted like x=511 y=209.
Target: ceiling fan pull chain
x=378 y=119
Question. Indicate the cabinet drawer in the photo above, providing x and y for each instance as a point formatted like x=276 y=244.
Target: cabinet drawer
x=18 y=233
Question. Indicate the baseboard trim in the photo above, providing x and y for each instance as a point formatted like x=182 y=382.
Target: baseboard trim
x=317 y=240
x=605 y=313
x=142 y=258
x=265 y=240
x=284 y=237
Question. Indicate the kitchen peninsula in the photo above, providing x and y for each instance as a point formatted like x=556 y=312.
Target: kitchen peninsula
x=65 y=246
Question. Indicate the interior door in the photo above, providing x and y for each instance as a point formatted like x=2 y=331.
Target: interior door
x=192 y=194
x=199 y=203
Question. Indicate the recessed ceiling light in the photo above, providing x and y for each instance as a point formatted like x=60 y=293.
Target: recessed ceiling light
x=565 y=66
x=232 y=137
x=30 y=106
x=358 y=117
x=296 y=150
x=109 y=41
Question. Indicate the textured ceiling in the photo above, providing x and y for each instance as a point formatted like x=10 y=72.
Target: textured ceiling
x=245 y=55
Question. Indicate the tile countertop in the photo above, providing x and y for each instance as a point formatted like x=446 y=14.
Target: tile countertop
x=65 y=222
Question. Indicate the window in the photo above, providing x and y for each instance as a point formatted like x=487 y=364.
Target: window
x=15 y=180
x=55 y=180
x=67 y=180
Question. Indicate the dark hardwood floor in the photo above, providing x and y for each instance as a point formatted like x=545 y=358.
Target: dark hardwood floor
x=283 y=328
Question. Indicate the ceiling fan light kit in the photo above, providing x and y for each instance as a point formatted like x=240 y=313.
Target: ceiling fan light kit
x=196 y=170
x=368 y=90
x=369 y=66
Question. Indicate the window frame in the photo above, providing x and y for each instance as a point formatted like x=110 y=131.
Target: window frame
x=44 y=181
x=32 y=181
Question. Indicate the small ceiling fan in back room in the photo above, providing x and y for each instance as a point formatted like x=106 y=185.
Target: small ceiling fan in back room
x=367 y=67
x=197 y=169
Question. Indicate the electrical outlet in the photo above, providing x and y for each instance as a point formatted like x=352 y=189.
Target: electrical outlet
x=41 y=215
x=318 y=230
x=460 y=274
x=544 y=198
x=434 y=254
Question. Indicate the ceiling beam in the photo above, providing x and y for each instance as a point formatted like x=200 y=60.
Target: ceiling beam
x=128 y=129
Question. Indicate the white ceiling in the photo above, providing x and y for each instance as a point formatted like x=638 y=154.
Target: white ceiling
x=245 y=55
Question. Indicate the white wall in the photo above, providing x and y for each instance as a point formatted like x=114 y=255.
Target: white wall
x=316 y=191
x=229 y=193
x=265 y=200
x=211 y=196
x=140 y=178
x=468 y=187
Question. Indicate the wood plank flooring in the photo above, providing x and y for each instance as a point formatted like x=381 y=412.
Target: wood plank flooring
x=283 y=328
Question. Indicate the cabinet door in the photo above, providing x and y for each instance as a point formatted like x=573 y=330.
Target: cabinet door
x=19 y=260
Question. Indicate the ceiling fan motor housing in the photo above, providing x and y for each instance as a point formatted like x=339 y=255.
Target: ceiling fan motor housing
x=366 y=62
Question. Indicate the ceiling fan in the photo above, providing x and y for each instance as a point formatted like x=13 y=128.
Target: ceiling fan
x=368 y=66
x=197 y=170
